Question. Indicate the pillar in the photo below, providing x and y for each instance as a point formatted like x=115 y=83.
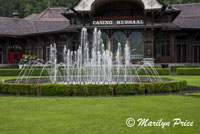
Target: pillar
x=7 y=53
x=109 y=41
x=148 y=47
x=148 y=43
x=190 y=45
x=127 y=39
x=172 y=46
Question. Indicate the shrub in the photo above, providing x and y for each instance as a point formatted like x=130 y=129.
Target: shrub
x=149 y=88
x=92 y=90
x=79 y=90
x=100 y=90
x=162 y=87
x=18 y=89
x=177 y=86
x=183 y=85
x=160 y=71
x=188 y=71
x=163 y=71
x=140 y=88
x=125 y=89
x=56 y=90
x=9 y=72
x=174 y=68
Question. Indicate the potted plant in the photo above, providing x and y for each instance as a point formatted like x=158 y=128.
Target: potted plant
x=34 y=57
x=21 y=64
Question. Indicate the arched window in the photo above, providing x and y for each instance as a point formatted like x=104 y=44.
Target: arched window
x=118 y=37
x=39 y=49
x=105 y=39
x=49 y=41
x=181 y=43
x=76 y=42
x=62 y=41
x=196 y=48
x=136 y=45
x=162 y=45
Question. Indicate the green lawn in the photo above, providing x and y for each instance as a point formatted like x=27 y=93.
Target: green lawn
x=197 y=94
x=192 y=80
x=98 y=115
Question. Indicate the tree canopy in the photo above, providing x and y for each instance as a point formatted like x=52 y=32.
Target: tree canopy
x=27 y=7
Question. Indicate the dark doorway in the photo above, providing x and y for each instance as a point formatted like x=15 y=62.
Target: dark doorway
x=15 y=57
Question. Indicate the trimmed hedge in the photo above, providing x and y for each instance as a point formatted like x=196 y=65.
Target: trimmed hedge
x=19 y=89
x=92 y=90
x=174 y=68
x=37 y=72
x=163 y=71
x=16 y=72
x=188 y=71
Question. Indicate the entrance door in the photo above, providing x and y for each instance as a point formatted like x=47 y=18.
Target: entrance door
x=1 y=57
x=181 y=53
x=15 y=57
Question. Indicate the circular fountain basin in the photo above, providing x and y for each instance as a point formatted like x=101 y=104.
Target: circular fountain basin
x=60 y=80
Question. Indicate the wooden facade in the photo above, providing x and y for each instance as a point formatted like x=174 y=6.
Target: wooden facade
x=152 y=30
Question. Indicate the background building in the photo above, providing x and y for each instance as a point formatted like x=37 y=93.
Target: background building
x=152 y=29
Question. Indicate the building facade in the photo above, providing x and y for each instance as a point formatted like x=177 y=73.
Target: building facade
x=152 y=29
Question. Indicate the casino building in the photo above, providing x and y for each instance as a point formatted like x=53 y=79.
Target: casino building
x=164 y=34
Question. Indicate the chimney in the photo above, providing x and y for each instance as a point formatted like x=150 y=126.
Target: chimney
x=15 y=15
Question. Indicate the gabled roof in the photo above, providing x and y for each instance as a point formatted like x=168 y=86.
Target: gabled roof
x=189 y=18
x=14 y=27
x=31 y=17
x=50 y=20
x=51 y=14
x=87 y=5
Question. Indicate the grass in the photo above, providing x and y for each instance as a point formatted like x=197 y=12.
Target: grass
x=97 y=115
x=101 y=115
x=197 y=94
x=192 y=80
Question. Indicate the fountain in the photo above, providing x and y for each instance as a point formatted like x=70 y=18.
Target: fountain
x=89 y=66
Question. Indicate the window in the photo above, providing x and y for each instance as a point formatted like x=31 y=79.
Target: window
x=50 y=41
x=62 y=41
x=196 y=48
x=181 y=43
x=136 y=45
x=162 y=45
x=105 y=39
x=76 y=42
x=39 y=50
x=118 y=37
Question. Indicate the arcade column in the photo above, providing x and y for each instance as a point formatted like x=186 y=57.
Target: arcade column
x=127 y=39
x=109 y=42
x=148 y=47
